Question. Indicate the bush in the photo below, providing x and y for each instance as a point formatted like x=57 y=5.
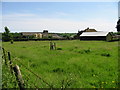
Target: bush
x=58 y=70
x=59 y=48
x=11 y=41
x=84 y=51
x=106 y=54
x=87 y=51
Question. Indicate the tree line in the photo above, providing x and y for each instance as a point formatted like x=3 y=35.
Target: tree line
x=8 y=36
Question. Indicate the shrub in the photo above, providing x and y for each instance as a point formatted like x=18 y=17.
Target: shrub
x=45 y=62
x=105 y=54
x=58 y=70
x=11 y=41
x=84 y=51
x=59 y=48
x=33 y=65
x=87 y=51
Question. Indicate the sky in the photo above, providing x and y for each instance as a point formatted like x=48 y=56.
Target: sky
x=59 y=17
x=119 y=9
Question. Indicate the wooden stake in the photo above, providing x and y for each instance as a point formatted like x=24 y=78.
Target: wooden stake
x=4 y=56
x=55 y=46
x=19 y=77
x=10 y=62
x=51 y=46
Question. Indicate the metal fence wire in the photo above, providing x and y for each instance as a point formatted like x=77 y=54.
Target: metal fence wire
x=39 y=82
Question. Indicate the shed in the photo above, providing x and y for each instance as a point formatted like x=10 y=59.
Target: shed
x=96 y=36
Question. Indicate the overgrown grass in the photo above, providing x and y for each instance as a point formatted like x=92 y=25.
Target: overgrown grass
x=75 y=64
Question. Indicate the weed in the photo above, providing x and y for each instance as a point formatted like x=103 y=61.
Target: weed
x=76 y=47
x=24 y=47
x=45 y=62
x=59 y=48
x=22 y=57
x=70 y=49
x=58 y=70
x=33 y=65
x=105 y=54
x=87 y=51
x=84 y=51
x=81 y=52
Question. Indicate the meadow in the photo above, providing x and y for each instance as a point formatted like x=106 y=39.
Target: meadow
x=75 y=64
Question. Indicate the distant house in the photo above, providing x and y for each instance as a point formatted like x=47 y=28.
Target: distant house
x=44 y=35
x=96 y=36
x=56 y=36
x=116 y=37
x=36 y=34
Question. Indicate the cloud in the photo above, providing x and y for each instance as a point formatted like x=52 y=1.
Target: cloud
x=32 y=22
x=60 y=0
x=61 y=14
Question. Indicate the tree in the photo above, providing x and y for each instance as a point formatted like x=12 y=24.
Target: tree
x=7 y=36
x=118 y=25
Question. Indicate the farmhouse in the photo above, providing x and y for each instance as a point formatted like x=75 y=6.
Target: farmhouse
x=96 y=36
x=36 y=34
x=43 y=34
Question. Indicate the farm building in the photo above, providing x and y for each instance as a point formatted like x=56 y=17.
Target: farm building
x=41 y=35
x=96 y=36
x=90 y=30
x=36 y=34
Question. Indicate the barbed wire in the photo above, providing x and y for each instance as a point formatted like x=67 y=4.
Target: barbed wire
x=34 y=74
x=38 y=76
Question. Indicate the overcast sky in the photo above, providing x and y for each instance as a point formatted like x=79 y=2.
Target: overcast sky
x=59 y=16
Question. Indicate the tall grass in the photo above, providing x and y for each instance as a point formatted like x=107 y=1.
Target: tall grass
x=75 y=64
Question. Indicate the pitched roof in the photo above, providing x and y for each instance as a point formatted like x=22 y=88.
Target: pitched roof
x=99 y=33
x=90 y=30
x=30 y=33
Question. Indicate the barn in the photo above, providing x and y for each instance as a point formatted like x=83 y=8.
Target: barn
x=107 y=36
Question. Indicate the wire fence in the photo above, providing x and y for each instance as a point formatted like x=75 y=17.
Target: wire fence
x=23 y=80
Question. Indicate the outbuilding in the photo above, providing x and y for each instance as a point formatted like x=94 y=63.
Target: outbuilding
x=100 y=35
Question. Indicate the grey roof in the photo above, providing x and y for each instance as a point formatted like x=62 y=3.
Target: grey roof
x=30 y=33
x=99 y=33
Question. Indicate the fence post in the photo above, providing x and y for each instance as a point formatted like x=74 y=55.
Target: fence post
x=55 y=46
x=51 y=46
x=19 y=77
x=4 y=56
x=10 y=61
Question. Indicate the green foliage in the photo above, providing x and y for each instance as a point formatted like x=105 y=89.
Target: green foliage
x=59 y=48
x=11 y=41
x=58 y=70
x=116 y=33
x=66 y=35
x=105 y=54
x=84 y=51
x=7 y=36
x=80 y=64
x=8 y=79
x=50 y=37
x=31 y=37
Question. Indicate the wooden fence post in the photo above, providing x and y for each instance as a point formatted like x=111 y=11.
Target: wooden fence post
x=19 y=77
x=51 y=46
x=4 y=56
x=55 y=46
x=10 y=62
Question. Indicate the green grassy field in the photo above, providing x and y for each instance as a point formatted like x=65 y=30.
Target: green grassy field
x=78 y=64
